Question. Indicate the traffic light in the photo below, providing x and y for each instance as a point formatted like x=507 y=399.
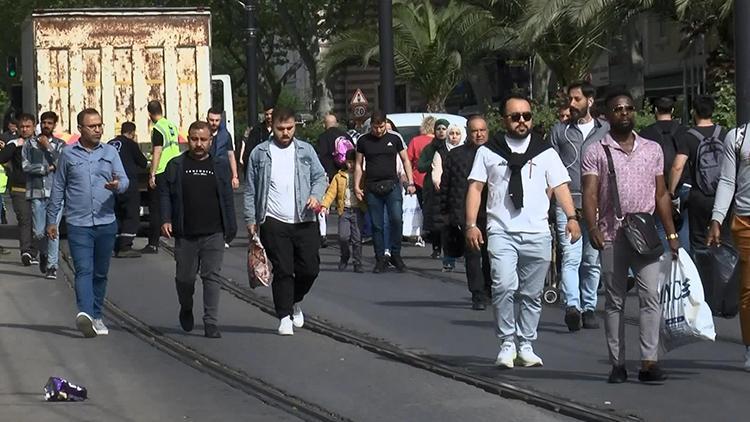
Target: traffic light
x=11 y=68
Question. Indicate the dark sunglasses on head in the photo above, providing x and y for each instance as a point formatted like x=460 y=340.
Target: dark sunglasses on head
x=623 y=109
x=516 y=117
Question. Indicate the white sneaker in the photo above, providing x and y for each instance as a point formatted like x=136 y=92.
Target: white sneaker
x=298 y=319
x=747 y=358
x=387 y=252
x=420 y=242
x=226 y=245
x=100 y=328
x=286 y=327
x=507 y=355
x=527 y=358
x=85 y=324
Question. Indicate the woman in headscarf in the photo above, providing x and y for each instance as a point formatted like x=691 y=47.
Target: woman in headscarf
x=429 y=198
x=447 y=234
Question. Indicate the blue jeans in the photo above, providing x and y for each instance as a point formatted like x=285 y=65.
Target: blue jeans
x=376 y=205
x=45 y=245
x=580 y=267
x=91 y=249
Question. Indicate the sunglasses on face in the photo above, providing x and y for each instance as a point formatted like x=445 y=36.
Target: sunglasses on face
x=516 y=117
x=623 y=109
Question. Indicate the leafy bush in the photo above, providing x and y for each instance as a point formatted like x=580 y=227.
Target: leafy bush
x=310 y=131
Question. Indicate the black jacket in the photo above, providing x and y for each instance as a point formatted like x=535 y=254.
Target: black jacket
x=258 y=135
x=11 y=154
x=325 y=149
x=455 y=183
x=132 y=158
x=170 y=194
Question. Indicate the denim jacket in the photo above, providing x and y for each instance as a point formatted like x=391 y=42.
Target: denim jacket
x=310 y=180
x=35 y=162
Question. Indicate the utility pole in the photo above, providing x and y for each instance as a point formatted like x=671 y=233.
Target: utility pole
x=251 y=74
x=742 y=60
x=387 y=71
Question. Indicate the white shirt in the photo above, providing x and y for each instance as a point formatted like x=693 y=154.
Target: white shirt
x=586 y=128
x=281 y=204
x=546 y=170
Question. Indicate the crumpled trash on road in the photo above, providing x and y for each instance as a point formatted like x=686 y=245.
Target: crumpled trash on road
x=60 y=389
x=259 y=269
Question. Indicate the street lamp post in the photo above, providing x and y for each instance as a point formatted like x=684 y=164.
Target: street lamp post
x=742 y=60
x=251 y=73
x=387 y=72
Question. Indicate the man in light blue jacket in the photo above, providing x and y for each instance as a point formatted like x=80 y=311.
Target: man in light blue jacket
x=580 y=261
x=285 y=183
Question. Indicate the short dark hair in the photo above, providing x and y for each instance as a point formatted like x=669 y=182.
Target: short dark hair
x=616 y=94
x=85 y=112
x=588 y=90
x=377 y=118
x=474 y=117
x=214 y=110
x=198 y=125
x=127 y=127
x=282 y=114
x=514 y=97
x=663 y=105
x=26 y=117
x=703 y=106
x=268 y=106
x=351 y=125
x=47 y=115
x=154 y=107
x=351 y=155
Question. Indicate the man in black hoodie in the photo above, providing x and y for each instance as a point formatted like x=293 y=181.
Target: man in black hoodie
x=327 y=144
x=128 y=204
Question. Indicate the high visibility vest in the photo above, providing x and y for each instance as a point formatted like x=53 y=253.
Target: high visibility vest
x=3 y=180
x=171 y=148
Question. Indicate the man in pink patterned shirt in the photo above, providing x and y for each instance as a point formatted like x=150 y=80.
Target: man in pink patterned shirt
x=639 y=167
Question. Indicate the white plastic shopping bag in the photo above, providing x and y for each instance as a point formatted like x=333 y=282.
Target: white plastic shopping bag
x=411 y=216
x=686 y=317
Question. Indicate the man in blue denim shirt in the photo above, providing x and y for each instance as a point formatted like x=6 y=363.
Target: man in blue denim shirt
x=285 y=183
x=89 y=175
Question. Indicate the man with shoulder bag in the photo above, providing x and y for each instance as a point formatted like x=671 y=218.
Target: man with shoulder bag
x=623 y=179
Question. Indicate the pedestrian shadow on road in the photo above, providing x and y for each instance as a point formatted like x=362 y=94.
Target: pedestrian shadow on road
x=51 y=329
x=198 y=330
x=427 y=304
x=20 y=274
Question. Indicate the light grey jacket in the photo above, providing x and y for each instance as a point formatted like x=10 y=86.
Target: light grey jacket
x=310 y=180
x=733 y=184
x=568 y=141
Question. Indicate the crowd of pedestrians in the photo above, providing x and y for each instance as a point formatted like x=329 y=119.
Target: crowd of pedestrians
x=496 y=202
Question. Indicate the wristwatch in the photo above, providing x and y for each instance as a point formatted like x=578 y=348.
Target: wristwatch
x=573 y=217
x=673 y=236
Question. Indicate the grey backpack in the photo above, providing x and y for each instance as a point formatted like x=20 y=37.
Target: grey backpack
x=708 y=160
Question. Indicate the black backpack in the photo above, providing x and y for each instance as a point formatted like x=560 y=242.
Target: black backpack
x=708 y=160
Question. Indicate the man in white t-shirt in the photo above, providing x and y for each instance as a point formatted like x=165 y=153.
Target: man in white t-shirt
x=285 y=183
x=518 y=168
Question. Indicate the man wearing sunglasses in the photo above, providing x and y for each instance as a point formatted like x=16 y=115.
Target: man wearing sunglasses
x=580 y=261
x=518 y=168
x=639 y=169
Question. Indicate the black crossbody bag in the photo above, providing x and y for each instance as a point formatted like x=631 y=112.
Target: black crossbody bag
x=639 y=227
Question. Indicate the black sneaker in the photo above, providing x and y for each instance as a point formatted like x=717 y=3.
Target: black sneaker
x=589 y=320
x=34 y=260
x=652 y=375
x=398 y=263
x=43 y=261
x=435 y=254
x=380 y=265
x=186 y=319
x=51 y=273
x=211 y=331
x=150 y=249
x=573 y=318
x=358 y=268
x=478 y=302
x=343 y=263
x=26 y=259
x=323 y=242
x=618 y=375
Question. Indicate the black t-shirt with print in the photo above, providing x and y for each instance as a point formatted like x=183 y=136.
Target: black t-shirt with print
x=380 y=155
x=200 y=198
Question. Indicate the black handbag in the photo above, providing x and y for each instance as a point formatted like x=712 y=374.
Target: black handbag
x=639 y=227
x=381 y=187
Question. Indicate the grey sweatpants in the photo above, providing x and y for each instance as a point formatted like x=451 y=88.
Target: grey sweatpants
x=617 y=257
x=204 y=255
x=518 y=265
x=351 y=224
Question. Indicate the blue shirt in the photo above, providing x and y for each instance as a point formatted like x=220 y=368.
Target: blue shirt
x=80 y=180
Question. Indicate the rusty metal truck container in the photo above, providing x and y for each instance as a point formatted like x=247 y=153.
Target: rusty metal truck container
x=116 y=61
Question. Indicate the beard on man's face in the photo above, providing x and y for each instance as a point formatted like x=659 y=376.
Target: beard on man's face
x=578 y=113
x=623 y=126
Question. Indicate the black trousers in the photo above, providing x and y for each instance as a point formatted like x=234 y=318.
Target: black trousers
x=22 y=208
x=478 y=270
x=127 y=211
x=154 y=212
x=293 y=252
